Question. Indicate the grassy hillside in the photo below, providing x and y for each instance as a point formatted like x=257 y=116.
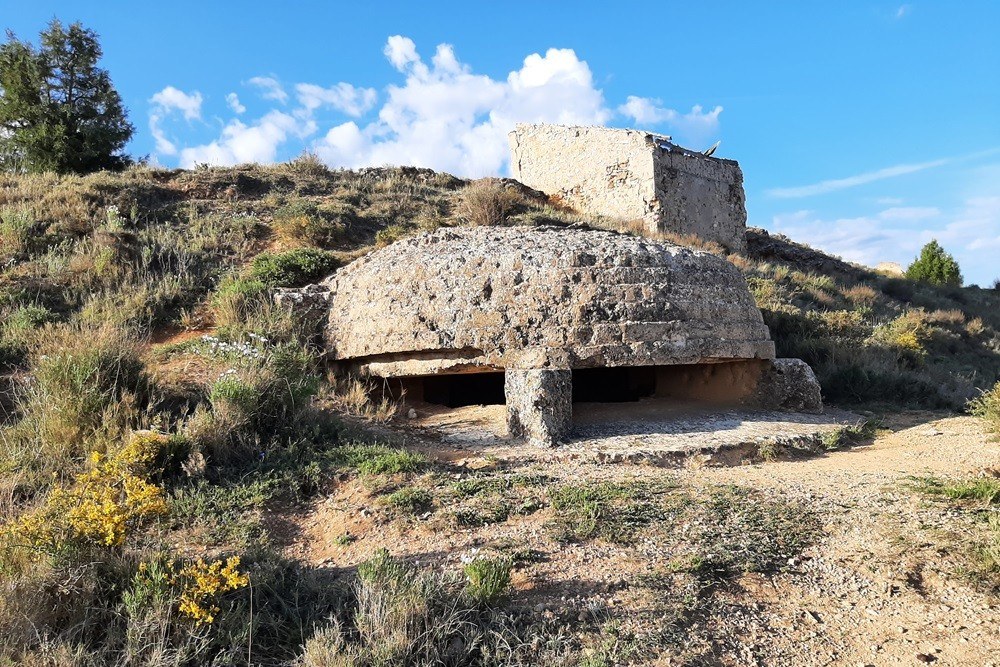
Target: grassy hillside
x=155 y=407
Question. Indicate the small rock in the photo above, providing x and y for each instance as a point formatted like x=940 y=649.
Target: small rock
x=925 y=658
x=411 y=414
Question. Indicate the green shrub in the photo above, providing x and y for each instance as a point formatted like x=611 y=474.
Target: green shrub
x=935 y=266
x=304 y=221
x=292 y=268
x=258 y=398
x=907 y=334
x=488 y=578
x=987 y=408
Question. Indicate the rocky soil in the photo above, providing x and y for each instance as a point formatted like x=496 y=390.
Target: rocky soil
x=886 y=583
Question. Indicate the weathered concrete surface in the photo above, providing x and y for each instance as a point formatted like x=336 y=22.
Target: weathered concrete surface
x=653 y=431
x=789 y=384
x=467 y=299
x=539 y=404
x=631 y=175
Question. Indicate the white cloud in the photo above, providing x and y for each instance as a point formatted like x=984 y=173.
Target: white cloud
x=233 y=100
x=971 y=232
x=833 y=185
x=342 y=97
x=909 y=213
x=696 y=125
x=902 y=11
x=241 y=143
x=401 y=51
x=270 y=87
x=441 y=115
x=172 y=99
x=168 y=101
x=446 y=117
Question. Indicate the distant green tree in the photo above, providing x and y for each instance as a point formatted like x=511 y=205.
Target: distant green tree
x=935 y=266
x=58 y=109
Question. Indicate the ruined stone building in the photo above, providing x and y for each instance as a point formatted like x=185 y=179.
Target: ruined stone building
x=542 y=318
x=634 y=177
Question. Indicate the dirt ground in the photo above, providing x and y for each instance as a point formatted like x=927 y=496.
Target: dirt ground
x=882 y=586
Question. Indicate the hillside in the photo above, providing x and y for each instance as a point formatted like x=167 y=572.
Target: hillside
x=181 y=482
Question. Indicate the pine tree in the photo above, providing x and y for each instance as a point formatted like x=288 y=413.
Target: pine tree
x=58 y=110
x=935 y=266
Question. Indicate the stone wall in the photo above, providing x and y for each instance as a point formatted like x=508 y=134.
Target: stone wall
x=635 y=178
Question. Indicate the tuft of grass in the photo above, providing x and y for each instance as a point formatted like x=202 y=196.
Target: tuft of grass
x=302 y=221
x=488 y=578
x=852 y=435
x=410 y=499
x=984 y=489
x=978 y=541
x=488 y=202
x=987 y=407
x=89 y=384
x=15 y=230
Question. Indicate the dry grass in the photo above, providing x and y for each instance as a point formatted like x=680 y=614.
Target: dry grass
x=488 y=202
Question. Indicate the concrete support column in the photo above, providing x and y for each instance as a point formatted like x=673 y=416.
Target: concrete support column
x=539 y=404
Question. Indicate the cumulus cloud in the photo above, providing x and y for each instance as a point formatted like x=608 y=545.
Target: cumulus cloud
x=446 y=117
x=441 y=115
x=971 y=232
x=696 y=125
x=342 y=97
x=169 y=101
x=401 y=51
x=233 y=100
x=270 y=87
x=239 y=143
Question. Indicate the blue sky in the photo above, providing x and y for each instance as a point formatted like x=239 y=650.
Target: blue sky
x=863 y=128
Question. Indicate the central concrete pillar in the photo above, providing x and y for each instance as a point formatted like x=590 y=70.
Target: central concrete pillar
x=539 y=404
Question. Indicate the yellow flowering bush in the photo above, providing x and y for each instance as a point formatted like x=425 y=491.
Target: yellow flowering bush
x=202 y=583
x=193 y=589
x=103 y=504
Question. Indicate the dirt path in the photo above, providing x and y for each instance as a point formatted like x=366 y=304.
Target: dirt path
x=879 y=589
x=883 y=586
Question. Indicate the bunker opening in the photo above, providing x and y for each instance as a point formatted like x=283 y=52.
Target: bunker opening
x=453 y=390
x=727 y=382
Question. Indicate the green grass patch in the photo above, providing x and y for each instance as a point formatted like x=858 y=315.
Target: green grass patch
x=377 y=459
x=410 y=499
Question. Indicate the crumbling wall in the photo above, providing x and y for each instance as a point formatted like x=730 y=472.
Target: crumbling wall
x=603 y=172
x=700 y=196
x=639 y=179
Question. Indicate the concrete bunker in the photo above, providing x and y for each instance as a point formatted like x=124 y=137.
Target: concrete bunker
x=540 y=318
